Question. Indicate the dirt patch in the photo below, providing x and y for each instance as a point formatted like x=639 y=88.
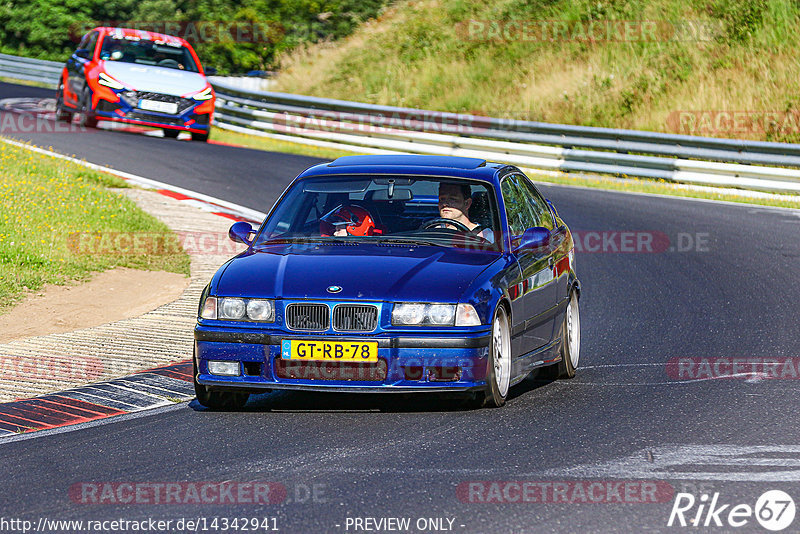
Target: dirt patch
x=110 y=296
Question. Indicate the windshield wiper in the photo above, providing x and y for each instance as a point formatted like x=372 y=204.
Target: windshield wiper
x=291 y=240
x=409 y=241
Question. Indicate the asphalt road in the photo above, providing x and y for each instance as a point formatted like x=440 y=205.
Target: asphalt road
x=625 y=417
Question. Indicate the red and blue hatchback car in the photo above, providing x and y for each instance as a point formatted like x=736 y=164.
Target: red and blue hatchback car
x=137 y=77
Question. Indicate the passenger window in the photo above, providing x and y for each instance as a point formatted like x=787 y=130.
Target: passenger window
x=541 y=210
x=518 y=207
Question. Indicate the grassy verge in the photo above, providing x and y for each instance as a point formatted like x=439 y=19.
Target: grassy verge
x=275 y=145
x=25 y=82
x=684 y=67
x=47 y=206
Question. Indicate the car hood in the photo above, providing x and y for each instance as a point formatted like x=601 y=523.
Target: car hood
x=155 y=79
x=375 y=272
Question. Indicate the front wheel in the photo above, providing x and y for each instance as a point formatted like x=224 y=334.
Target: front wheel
x=61 y=113
x=216 y=399
x=498 y=376
x=87 y=118
x=202 y=137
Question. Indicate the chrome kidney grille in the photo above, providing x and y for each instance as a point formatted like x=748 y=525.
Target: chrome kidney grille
x=307 y=317
x=346 y=317
x=355 y=318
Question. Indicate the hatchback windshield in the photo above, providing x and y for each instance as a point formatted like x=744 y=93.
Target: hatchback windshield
x=144 y=52
x=448 y=212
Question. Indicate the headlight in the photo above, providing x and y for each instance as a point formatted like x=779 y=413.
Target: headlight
x=237 y=309
x=441 y=314
x=408 y=314
x=261 y=310
x=420 y=314
x=205 y=94
x=108 y=81
x=231 y=308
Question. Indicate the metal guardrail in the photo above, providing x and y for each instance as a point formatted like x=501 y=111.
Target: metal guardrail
x=554 y=147
x=551 y=147
x=31 y=70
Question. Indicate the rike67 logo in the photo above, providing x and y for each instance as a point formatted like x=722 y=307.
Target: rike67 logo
x=774 y=510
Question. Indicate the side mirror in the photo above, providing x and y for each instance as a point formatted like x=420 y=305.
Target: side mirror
x=240 y=232
x=83 y=53
x=210 y=71
x=534 y=238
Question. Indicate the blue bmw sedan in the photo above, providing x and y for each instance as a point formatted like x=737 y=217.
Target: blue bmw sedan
x=396 y=273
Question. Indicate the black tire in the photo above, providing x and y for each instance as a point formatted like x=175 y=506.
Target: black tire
x=87 y=117
x=217 y=399
x=202 y=137
x=172 y=134
x=61 y=113
x=566 y=368
x=496 y=393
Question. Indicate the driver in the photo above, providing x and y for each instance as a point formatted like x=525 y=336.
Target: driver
x=454 y=203
x=346 y=220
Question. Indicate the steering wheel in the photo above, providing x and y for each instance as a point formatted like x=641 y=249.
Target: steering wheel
x=171 y=63
x=441 y=220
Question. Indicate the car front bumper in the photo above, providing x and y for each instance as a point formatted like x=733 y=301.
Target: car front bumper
x=405 y=363
x=186 y=120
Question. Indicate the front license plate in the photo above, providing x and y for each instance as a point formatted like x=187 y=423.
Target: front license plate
x=155 y=105
x=343 y=351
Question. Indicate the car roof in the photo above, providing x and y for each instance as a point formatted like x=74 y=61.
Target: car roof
x=132 y=33
x=408 y=164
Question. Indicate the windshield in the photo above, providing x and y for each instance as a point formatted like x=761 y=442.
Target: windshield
x=448 y=212
x=144 y=52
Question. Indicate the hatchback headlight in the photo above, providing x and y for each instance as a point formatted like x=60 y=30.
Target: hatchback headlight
x=238 y=309
x=108 y=81
x=205 y=94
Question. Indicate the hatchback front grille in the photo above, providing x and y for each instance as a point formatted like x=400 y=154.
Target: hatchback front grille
x=307 y=317
x=355 y=318
x=183 y=103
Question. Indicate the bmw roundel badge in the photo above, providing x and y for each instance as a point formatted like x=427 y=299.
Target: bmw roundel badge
x=334 y=289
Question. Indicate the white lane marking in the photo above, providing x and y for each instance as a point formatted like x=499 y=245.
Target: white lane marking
x=697 y=462
x=146 y=183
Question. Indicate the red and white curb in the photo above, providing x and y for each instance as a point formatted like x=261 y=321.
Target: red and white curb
x=145 y=390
